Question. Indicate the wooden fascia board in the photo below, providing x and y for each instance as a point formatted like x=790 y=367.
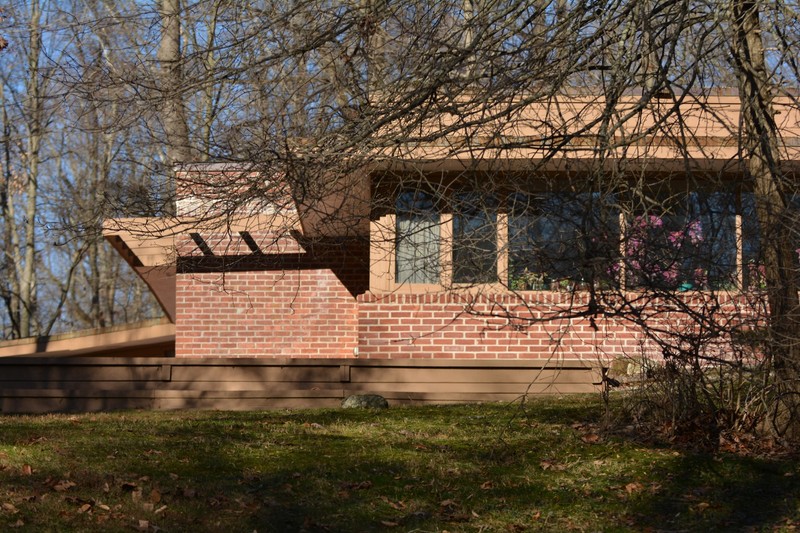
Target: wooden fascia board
x=89 y=342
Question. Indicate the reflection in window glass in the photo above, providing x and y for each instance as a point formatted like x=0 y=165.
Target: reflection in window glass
x=688 y=245
x=717 y=214
x=754 y=271
x=752 y=267
x=559 y=239
x=417 y=246
x=474 y=239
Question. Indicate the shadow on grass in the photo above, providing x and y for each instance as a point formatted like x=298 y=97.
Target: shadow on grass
x=722 y=493
x=461 y=468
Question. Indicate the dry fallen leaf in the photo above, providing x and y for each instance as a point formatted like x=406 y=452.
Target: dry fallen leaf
x=27 y=470
x=9 y=507
x=155 y=496
x=486 y=485
x=63 y=485
x=84 y=508
x=356 y=485
x=630 y=488
x=546 y=465
x=591 y=438
x=399 y=505
x=389 y=523
x=144 y=525
x=18 y=523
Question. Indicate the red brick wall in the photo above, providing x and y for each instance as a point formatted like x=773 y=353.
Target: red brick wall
x=300 y=303
x=483 y=327
x=444 y=326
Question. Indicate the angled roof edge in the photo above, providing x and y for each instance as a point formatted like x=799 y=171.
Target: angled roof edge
x=152 y=337
x=148 y=245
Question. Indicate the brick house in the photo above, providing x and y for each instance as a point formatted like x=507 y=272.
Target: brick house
x=369 y=286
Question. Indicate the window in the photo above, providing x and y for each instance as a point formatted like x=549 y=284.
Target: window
x=689 y=244
x=753 y=272
x=557 y=240
x=753 y=269
x=564 y=240
x=717 y=253
x=474 y=239
x=417 y=241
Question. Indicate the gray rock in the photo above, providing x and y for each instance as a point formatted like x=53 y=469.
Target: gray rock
x=365 y=401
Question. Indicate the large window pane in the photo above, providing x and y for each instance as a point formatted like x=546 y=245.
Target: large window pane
x=752 y=268
x=559 y=239
x=683 y=245
x=417 y=246
x=717 y=252
x=754 y=272
x=474 y=239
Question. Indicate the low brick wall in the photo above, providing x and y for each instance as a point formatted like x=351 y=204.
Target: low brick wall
x=452 y=326
x=311 y=300
x=536 y=325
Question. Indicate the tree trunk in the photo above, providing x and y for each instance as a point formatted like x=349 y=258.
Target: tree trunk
x=27 y=295
x=760 y=148
x=170 y=58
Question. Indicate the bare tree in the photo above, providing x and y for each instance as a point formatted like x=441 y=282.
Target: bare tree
x=64 y=170
x=774 y=190
x=20 y=201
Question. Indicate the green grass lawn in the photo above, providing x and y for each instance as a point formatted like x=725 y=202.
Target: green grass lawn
x=449 y=468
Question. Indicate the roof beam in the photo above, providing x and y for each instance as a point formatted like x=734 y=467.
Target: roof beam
x=250 y=242
x=202 y=244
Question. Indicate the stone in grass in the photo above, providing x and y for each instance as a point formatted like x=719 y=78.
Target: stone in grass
x=365 y=401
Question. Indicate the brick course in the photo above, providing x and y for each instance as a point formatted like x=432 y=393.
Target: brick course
x=449 y=326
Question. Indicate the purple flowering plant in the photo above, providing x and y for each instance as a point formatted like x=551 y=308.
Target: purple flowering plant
x=656 y=253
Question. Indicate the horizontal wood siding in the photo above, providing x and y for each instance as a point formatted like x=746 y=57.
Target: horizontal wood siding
x=50 y=384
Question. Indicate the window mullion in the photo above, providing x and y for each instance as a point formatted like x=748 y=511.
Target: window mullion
x=446 y=249
x=502 y=247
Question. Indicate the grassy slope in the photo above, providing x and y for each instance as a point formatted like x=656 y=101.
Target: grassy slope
x=456 y=468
